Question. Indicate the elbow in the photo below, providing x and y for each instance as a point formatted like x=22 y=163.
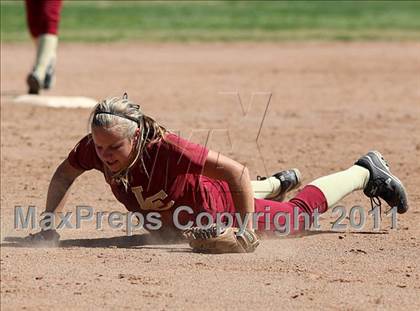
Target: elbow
x=245 y=173
x=240 y=174
x=240 y=179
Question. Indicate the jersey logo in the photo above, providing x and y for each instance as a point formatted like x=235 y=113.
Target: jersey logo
x=154 y=202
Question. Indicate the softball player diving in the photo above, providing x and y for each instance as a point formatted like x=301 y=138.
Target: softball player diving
x=150 y=169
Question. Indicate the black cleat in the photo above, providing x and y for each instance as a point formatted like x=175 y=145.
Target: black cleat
x=289 y=180
x=34 y=84
x=382 y=184
x=49 y=76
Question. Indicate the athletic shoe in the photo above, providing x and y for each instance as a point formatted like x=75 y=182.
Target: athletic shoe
x=382 y=184
x=49 y=76
x=289 y=180
x=34 y=84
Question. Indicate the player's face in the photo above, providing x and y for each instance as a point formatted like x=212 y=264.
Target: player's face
x=112 y=148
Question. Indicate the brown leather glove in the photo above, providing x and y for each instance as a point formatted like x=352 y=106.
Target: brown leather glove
x=228 y=240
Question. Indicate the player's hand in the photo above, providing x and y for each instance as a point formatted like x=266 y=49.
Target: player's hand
x=43 y=236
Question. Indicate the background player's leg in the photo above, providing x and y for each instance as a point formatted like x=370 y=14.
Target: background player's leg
x=46 y=28
x=46 y=55
x=33 y=16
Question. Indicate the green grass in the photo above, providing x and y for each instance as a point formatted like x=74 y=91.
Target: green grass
x=224 y=21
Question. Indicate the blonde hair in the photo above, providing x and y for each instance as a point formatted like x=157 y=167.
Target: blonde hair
x=126 y=116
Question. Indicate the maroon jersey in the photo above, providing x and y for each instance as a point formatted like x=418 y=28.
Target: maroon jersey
x=174 y=166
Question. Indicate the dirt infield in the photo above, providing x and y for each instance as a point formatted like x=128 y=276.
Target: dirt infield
x=329 y=104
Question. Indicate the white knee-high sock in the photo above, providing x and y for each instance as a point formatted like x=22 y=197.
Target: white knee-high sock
x=338 y=185
x=267 y=188
x=46 y=54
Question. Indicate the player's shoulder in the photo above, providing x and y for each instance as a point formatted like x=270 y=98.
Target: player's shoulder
x=168 y=141
x=86 y=142
x=184 y=147
x=173 y=144
x=176 y=141
x=87 y=139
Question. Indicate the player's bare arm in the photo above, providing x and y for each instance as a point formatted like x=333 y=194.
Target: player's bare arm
x=60 y=183
x=218 y=166
x=58 y=190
